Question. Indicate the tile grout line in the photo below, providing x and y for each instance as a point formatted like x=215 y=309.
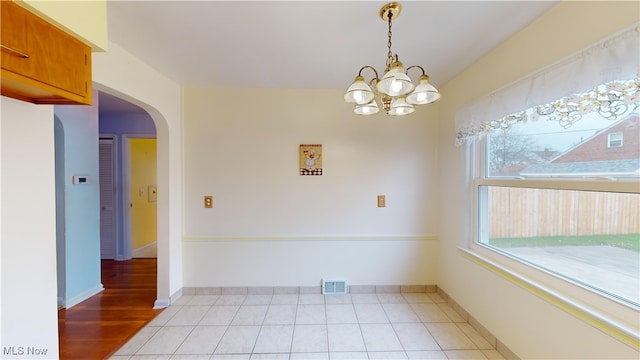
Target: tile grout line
x=361 y=333
x=326 y=326
x=394 y=329
x=325 y=304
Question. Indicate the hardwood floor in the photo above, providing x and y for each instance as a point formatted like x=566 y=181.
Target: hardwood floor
x=98 y=326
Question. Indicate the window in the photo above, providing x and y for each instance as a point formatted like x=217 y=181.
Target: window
x=553 y=208
x=615 y=140
x=569 y=214
x=528 y=210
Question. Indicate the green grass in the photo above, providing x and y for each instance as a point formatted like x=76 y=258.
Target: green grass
x=627 y=241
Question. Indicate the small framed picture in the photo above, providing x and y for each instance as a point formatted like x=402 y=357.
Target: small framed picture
x=311 y=159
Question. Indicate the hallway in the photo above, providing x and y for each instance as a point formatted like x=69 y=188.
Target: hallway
x=101 y=324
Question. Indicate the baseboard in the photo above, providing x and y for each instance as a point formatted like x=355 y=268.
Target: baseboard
x=268 y=290
x=82 y=296
x=486 y=334
x=161 y=304
x=141 y=252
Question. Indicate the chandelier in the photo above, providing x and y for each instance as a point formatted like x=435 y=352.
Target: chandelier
x=397 y=93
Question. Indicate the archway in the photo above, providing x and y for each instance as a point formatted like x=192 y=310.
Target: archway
x=121 y=74
x=162 y=213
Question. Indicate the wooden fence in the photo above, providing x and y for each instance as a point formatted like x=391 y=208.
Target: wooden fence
x=522 y=212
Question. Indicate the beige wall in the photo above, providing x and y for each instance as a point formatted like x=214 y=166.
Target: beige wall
x=530 y=326
x=245 y=154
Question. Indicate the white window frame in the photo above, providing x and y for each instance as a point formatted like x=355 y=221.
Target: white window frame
x=611 y=138
x=607 y=313
x=611 y=59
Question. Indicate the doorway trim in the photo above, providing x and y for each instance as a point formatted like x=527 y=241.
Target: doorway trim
x=126 y=179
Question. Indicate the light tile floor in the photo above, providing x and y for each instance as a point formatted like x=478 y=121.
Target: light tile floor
x=309 y=326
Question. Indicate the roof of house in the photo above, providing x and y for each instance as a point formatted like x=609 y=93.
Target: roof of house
x=631 y=118
x=629 y=167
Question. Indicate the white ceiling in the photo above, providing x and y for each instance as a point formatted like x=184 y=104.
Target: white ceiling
x=309 y=44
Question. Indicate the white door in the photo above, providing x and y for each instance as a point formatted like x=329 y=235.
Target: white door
x=107 y=200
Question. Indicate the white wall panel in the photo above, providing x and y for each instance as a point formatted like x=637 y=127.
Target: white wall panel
x=300 y=262
x=28 y=237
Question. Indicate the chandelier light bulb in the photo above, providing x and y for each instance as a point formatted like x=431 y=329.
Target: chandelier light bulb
x=396 y=85
x=359 y=92
x=367 y=109
x=425 y=93
x=395 y=82
x=420 y=97
x=400 y=107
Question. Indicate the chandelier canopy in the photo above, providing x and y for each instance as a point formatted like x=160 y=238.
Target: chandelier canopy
x=397 y=93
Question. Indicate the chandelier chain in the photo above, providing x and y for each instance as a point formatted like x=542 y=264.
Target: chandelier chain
x=389 y=53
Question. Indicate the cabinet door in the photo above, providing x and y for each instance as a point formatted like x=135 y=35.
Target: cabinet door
x=15 y=48
x=59 y=60
x=41 y=63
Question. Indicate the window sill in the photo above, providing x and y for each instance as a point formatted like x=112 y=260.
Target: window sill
x=604 y=313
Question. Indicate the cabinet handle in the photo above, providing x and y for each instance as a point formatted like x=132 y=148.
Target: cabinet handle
x=15 y=52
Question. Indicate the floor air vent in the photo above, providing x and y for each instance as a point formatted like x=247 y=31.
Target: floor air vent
x=334 y=286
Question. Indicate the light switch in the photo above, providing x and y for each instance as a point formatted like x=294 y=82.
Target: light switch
x=152 y=193
x=208 y=201
x=382 y=201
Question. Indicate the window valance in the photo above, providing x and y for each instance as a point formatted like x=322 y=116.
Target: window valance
x=603 y=77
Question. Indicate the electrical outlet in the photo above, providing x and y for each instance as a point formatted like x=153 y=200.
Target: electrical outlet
x=382 y=201
x=208 y=201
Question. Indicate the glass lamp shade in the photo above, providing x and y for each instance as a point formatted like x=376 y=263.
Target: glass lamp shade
x=400 y=107
x=395 y=82
x=367 y=109
x=359 y=92
x=424 y=93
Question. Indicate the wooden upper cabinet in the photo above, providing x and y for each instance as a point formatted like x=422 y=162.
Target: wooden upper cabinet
x=41 y=63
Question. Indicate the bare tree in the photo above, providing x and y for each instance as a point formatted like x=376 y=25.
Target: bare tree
x=509 y=149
